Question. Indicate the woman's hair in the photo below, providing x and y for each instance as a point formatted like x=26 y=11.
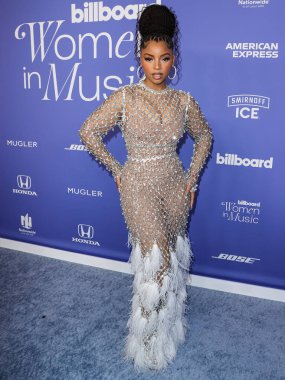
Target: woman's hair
x=159 y=23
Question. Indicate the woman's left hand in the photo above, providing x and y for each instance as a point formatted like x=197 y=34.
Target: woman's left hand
x=192 y=196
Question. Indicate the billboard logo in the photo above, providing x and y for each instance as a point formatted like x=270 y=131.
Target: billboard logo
x=239 y=259
x=247 y=106
x=26 y=223
x=96 y=11
x=24 y=183
x=235 y=160
x=85 y=233
x=241 y=211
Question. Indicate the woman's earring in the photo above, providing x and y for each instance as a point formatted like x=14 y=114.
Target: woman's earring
x=175 y=71
x=138 y=73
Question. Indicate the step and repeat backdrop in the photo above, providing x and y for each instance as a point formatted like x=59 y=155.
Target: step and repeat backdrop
x=61 y=59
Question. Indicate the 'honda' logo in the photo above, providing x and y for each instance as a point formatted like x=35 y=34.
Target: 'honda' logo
x=85 y=231
x=24 y=181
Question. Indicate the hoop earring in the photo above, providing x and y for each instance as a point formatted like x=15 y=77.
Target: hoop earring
x=175 y=71
x=138 y=73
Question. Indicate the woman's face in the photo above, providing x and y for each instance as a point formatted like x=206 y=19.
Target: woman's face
x=156 y=60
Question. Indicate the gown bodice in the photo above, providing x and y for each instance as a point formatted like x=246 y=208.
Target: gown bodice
x=152 y=122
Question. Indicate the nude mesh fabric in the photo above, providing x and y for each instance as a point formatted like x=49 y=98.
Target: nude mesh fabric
x=155 y=206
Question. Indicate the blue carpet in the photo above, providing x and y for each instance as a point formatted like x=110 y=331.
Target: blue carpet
x=60 y=320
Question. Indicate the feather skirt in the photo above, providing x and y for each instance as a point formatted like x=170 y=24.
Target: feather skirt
x=157 y=323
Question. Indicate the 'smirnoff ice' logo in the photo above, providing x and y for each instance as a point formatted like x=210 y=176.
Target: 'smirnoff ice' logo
x=248 y=106
x=235 y=160
x=239 y=259
x=253 y=49
x=24 y=183
x=97 y=11
x=241 y=211
x=85 y=233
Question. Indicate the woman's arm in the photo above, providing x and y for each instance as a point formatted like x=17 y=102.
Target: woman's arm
x=198 y=128
x=98 y=124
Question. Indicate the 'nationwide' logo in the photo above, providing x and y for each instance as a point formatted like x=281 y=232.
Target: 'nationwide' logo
x=26 y=223
x=235 y=160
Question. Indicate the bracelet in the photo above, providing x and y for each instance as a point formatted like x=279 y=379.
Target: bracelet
x=194 y=188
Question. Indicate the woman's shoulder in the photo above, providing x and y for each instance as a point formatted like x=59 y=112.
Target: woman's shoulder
x=184 y=95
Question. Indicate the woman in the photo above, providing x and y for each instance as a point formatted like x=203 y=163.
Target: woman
x=155 y=192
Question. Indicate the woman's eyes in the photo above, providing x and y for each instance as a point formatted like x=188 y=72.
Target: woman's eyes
x=165 y=59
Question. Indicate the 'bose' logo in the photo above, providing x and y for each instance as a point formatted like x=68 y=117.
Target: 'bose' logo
x=79 y=147
x=233 y=159
x=85 y=231
x=241 y=259
x=24 y=181
x=96 y=11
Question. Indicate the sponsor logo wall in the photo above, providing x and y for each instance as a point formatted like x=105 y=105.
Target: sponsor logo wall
x=61 y=60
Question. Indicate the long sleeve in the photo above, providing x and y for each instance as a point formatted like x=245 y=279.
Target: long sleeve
x=198 y=128
x=98 y=124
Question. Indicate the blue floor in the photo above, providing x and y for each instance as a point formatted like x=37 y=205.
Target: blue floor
x=60 y=320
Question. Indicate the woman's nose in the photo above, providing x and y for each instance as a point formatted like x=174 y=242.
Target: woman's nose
x=156 y=64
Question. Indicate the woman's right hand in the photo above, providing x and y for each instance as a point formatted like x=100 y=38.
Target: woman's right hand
x=118 y=182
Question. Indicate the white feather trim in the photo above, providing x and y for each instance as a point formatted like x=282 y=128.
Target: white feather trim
x=135 y=302
x=149 y=294
x=166 y=283
x=152 y=323
x=171 y=302
x=131 y=347
x=163 y=319
x=156 y=351
x=170 y=348
x=139 y=360
x=174 y=263
x=138 y=325
x=138 y=280
x=182 y=294
x=179 y=331
x=136 y=258
x=184 y=251
x=152 y=262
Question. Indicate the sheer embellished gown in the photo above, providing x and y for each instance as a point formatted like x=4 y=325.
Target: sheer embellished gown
x=155 y=206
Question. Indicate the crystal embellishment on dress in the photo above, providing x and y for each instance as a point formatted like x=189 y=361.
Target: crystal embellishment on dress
x=155 y=206
x=142 y=83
